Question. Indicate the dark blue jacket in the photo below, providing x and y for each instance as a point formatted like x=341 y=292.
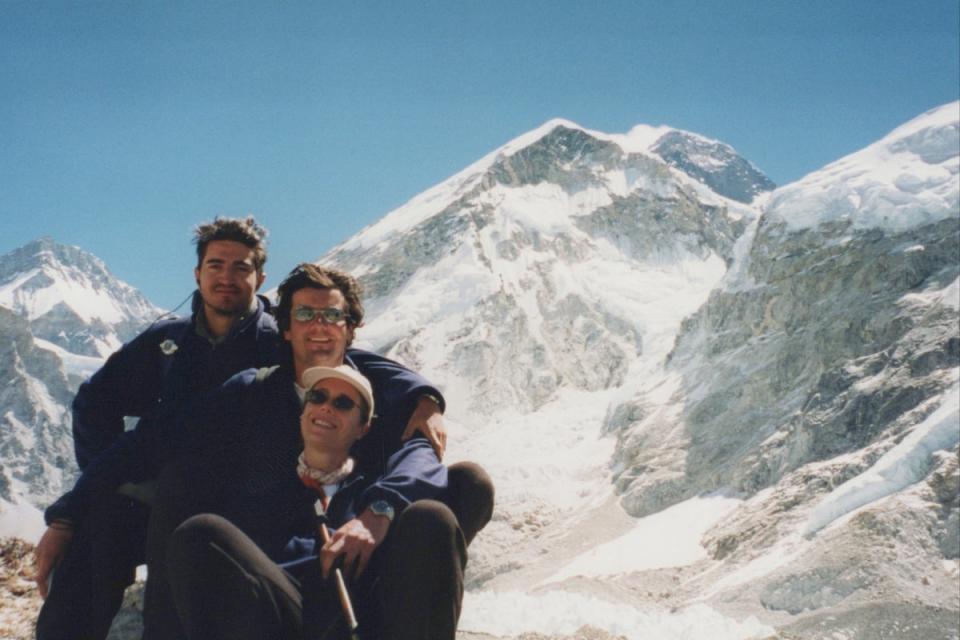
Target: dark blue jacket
x=165 y=367
x=300 y=555
x=252 y=440
x=144 y=380
x=251 y=429
x=168 y=391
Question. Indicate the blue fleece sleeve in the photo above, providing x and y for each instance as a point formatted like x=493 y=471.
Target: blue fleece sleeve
x=396 y=391
x=396 y=386
x=212 y=418
x=128 y=384
x=113 y=467
x=413 y=473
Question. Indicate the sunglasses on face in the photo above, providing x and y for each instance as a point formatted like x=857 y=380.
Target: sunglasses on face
x=320 y=397
x=330 y=315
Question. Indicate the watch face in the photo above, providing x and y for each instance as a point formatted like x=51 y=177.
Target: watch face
x=382 y=508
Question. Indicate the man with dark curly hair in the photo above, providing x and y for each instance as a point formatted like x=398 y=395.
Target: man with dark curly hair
x=96 y=533
x=407 y=517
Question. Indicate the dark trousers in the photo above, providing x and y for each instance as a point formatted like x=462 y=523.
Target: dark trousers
x=224 y=587
x=422 y=577
x=470 y=495
x=186 y=487
x=189 y=487
x=100 y=563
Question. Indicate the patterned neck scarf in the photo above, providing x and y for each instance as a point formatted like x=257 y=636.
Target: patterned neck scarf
x=317 y=478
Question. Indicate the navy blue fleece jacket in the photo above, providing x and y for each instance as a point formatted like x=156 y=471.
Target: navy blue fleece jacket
x=251 y=430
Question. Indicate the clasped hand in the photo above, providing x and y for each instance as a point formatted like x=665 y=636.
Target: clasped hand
x=356 y=541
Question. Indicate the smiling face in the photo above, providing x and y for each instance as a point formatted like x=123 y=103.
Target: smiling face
x=315 y=343
x=329 y=432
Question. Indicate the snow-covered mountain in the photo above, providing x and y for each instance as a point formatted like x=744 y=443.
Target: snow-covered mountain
x=838 y=318
x=518 y=277
x=61 y=312
x=36 y=449
x=71 y=299
x=819 y=382
x=715 y=164
x=711 y=410
x=627 y=344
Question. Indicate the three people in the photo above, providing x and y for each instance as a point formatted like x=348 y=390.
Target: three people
x=170 y=375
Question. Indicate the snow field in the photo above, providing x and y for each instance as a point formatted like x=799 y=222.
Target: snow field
x=669 y=538
x=907 y=179
x=557 y=612
x=80 y=366
x=554 y=457
x=949 y=296
x=21 y=520
x=71 y=288
x=441 y=293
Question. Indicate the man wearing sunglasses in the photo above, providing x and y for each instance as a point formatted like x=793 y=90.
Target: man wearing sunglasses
x=250 y=436
x=96 y=534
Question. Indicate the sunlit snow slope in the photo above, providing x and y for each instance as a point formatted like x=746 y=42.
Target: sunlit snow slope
x=619 y=338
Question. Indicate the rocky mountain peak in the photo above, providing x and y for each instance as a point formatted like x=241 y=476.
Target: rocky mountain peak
x=562 y=149
x=558 y=156
x=499 y=270
x=70 y=297
x=714 y=163
x=61 y=312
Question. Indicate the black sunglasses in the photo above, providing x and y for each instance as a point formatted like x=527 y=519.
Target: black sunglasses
x=329 y=315
x=341 y=402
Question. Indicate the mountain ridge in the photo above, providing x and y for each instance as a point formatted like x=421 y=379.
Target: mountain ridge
x=431 y=201
x=639 y=359
x=70 y=298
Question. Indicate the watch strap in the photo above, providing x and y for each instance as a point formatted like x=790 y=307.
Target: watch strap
x=382 y=508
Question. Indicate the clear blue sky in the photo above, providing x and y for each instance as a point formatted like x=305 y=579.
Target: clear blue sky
x=122 y=124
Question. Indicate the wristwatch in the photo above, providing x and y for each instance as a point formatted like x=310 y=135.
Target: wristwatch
x=432 y=398
x=382 y=508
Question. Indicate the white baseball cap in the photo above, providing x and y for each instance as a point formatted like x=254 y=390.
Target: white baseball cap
x=344 y=372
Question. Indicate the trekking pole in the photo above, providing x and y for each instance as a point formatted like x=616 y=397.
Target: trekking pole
x=345 y=604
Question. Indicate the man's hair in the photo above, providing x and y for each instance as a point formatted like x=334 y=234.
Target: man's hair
x=307 y=275
x=246 y=231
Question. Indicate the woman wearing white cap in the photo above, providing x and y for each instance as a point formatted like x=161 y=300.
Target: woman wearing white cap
x=226 y=587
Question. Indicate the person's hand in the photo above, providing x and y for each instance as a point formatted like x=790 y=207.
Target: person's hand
x=355 y=541
x=50 y=551
x=428 y=420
